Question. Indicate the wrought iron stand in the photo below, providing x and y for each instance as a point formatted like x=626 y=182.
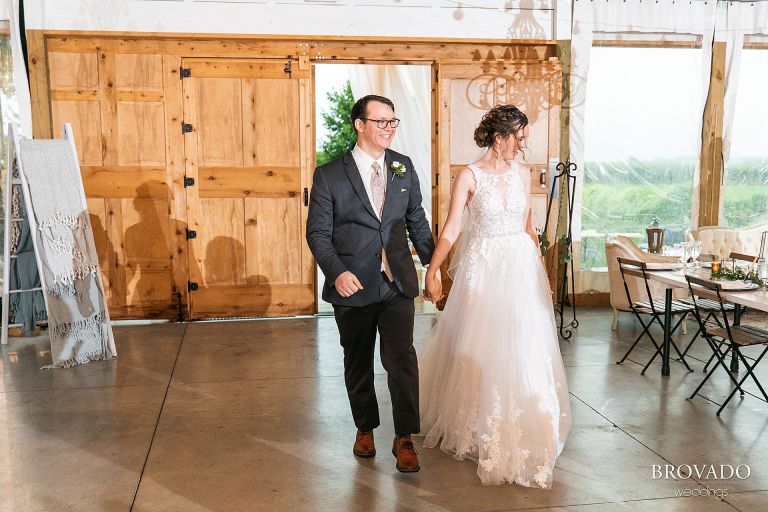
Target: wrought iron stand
x=567 y=297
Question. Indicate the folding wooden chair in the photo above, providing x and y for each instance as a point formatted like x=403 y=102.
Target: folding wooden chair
x=733 y=337
x=653 y=309
x=712 y=308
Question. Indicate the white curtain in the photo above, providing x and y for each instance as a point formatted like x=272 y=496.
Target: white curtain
x=409 y=88
x=9 y=10
x=741 y=19
x=666 y=20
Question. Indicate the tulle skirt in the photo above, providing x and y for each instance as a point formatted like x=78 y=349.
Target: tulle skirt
x=492 y=383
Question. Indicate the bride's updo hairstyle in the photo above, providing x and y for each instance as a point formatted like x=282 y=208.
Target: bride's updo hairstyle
x=504 y=120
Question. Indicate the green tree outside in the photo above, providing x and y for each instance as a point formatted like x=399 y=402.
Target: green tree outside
x=341 y=133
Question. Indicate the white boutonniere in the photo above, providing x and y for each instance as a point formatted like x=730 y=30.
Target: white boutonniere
x=398 y=169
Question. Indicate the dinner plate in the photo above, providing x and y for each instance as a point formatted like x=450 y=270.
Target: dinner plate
x=658 y=265
x=736 y=285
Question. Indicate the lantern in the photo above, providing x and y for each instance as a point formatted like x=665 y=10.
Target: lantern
x=655 y=236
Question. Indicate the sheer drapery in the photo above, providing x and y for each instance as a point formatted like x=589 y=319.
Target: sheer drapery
x=741 y=19
x=739 y=23
x=410 y=90
x=9 y=10
x=666 y=20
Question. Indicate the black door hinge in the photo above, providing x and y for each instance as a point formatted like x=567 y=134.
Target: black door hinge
x=306 y=197
x=437 y=128
x=189 y=182
x=191 y=234
x=192 y=286
x=185 y=72
x=287 y=68
x=185 y=127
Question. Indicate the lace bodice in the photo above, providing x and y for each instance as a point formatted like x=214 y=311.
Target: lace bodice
x=498 y=205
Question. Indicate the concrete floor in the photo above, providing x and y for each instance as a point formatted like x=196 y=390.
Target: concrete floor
x=253 y=416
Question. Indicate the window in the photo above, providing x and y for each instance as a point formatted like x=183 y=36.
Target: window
x=641 y=145
x=745 y=191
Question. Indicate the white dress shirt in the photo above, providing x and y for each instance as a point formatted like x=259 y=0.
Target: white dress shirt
x=364 y=163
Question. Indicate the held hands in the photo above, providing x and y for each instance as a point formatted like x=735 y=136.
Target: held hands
x=347 y=284
x=433 y=286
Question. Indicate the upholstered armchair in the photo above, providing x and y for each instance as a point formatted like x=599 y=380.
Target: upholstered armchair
x=622 y=246
x=720 y=242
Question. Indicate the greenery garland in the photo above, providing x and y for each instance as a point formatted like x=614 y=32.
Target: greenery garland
x=737 y=275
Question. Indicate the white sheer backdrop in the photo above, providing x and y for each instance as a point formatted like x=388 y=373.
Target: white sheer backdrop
x=667 y=20
x=9 y=10
x=741 y=21
x=410 y=90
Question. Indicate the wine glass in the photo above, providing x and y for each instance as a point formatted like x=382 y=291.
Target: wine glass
x=687 y=248
x=762 y=271
x=696 y=253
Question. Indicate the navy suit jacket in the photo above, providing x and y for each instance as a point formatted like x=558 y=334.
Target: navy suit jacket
x=344 y=233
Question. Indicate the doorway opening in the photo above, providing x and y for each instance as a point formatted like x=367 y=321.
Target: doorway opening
x=337 y=87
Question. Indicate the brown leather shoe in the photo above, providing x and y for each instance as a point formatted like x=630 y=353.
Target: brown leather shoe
x=407 y=459
x=364 y=446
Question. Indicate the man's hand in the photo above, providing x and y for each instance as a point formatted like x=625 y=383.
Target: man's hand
x=347 y=284
x=434 y=286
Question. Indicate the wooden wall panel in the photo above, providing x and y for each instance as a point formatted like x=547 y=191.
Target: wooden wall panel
x=141 y=125
x=273 y=240
x=85 y=117
x=139 y=73
x=268 y=104
x=73 y=71
x=221 y=234
x=219 y=120
x=146 y=290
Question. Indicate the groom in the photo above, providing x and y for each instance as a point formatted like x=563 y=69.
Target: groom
x=362 y=205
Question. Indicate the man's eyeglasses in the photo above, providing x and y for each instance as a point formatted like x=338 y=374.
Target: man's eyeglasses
x=383 y=123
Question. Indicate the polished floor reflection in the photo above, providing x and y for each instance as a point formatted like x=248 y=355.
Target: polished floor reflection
x=253 y=416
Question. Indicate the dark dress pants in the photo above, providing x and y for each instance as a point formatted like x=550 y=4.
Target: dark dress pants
x=392 y=317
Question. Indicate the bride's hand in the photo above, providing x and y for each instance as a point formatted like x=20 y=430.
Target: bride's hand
x=434 y=287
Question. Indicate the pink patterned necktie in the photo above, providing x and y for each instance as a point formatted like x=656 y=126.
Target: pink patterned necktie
x=378 y=188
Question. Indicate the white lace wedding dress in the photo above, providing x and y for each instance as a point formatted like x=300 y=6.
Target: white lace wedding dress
x=492 y=382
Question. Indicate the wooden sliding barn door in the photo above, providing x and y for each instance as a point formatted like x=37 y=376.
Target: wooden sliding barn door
x=248 y=156
x=467 y=91
x=118 y=106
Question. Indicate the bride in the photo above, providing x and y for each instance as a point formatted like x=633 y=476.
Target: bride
x=493 y=386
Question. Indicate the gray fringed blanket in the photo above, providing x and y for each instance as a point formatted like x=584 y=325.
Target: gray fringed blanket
x=77 y=313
